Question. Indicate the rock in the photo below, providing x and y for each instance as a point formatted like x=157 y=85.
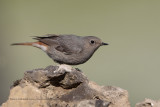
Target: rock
x=148 y=103
x=47 y=88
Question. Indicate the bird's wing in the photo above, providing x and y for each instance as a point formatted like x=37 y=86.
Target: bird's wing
x=47 y=39
x=58 y=43
x=64 y=50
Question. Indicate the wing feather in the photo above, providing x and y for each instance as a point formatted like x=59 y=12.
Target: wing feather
x=55 y=41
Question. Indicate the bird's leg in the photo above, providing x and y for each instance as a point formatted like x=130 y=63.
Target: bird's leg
x=65 y=67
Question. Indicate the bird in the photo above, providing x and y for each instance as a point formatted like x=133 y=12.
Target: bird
x=67 y=49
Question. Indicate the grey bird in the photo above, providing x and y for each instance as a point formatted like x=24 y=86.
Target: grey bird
x=67 y=49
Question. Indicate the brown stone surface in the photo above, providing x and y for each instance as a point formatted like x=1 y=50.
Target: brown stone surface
x=46 y=88
x=148 y=103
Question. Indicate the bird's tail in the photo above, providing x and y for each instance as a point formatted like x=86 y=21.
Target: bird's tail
x=28 y=44
x=38 y=44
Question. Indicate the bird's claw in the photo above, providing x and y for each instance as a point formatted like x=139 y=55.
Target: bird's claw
x=63 y=67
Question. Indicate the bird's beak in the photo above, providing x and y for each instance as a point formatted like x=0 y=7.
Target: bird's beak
x=104 y=44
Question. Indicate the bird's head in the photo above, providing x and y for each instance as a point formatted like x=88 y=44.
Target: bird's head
x=92 y=42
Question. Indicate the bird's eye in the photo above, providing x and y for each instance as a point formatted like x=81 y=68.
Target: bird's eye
x=92 y=41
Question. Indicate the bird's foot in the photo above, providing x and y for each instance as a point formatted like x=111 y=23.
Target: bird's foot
x=63 y=67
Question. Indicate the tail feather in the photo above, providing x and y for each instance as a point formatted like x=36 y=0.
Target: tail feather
x=29 y=44
x=40 y=45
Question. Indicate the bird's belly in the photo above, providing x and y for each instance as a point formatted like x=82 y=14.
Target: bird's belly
x=74 y=59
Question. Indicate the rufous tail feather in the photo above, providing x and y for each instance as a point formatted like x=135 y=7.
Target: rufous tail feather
x=40 y=45
x=29 y=44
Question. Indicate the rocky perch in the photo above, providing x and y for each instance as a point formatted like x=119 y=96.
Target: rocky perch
x=47 y=88
x=54 y=87
x=148 y=103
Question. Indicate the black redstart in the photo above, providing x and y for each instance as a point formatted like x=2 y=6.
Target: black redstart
x=67 y=49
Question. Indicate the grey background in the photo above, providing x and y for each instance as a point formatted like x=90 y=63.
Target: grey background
x=131 y=27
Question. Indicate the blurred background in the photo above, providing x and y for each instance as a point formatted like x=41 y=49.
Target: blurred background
x=132 y=28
